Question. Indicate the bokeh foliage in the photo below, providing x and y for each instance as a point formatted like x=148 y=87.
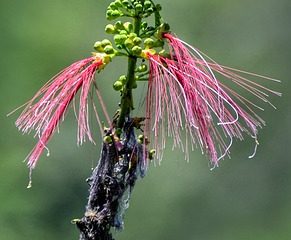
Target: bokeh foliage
x=242 y=199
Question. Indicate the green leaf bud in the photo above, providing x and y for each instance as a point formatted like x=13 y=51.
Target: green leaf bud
x=119 y=39
x=149 y=43
x=109 y=49
x=118 y=85
x=137 y=40
x=98 y=46
x=110 y=29
x=136 y=50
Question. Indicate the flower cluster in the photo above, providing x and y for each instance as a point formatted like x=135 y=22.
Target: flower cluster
x=185 y=93
x=48 y=107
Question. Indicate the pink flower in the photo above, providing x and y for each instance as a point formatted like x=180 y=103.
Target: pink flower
x=47 y=108
x=186 y=93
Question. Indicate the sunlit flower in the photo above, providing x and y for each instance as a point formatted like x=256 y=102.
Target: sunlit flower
x=189 y=92
x=47 y=108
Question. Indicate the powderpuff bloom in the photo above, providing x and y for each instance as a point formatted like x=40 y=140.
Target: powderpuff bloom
x=47 y=108
x=186 y=93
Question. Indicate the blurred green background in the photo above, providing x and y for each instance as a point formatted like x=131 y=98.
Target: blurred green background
x=242 y=199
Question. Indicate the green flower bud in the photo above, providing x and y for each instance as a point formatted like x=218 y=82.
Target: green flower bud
x=119 y=39
x=152 y=152
x=118 y=131
x=107 y=139
x=140 y=139
x=123 y=32
x=122 y=78
x=128 y=26
x=132 y=35
x=98 y=46
x=149 y=43
x=150 y=10
x=110 y=29
x=137 y=40
x=118 y=25
x=118 y=3
x=144 y=25
x=136 y=50
x=128 y=43
x=125 y=2
x=142 y=68
x=105 y=42
x=138 y=7
x=113 y=6
x=158 y=7
x=118 y=85
x=147 y=4
x=109 y=49
x=113 y=14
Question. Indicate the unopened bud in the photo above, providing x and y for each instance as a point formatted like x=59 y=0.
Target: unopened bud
x=142 y=68
x=120 y=38
x=109 y=49
x=107 y=139
x=128 y=26
x=105 y=43
x=118 y=85
x=98 y=46
x=147 y=4
x=128 y=43
x=136 y=50
x=149 y=43
x=137 y=41
x=152 y=152
x=110 y=29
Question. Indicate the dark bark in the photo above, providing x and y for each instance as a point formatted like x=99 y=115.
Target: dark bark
x=121 y=162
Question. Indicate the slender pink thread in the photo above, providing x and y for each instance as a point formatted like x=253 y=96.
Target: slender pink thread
x=184 y=93
x=47 y=108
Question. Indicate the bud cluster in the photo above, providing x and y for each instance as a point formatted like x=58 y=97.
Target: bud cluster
x=131 y=8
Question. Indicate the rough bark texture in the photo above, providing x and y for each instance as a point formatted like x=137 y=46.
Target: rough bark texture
x=121 y=163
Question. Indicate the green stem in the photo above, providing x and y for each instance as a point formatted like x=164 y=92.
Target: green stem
x=126 y=103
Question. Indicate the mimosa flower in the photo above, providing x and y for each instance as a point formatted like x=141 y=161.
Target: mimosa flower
x=187 y=92
x=47 y=108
